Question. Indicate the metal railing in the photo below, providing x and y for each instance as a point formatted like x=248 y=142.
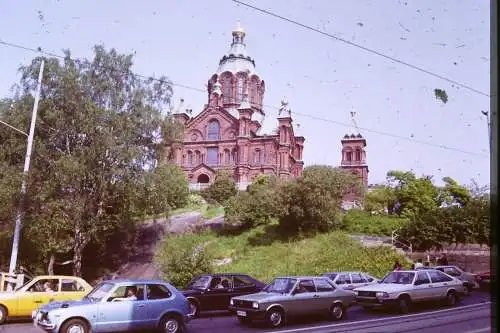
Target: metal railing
x=395 y=242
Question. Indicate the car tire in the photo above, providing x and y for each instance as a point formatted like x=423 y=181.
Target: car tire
x=194 y=308
x=3 y=314
x=451 y=298
x=69 y=326
x=275 y=317
x=467 y=290
x=171 y=324
x=337 y=312
x=404 y=303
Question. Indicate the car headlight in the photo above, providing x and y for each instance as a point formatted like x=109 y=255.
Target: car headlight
x=255 y=305
x=382 y=295
x=356 y=292
x=231 y=302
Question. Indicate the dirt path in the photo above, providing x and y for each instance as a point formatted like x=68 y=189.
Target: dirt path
x=142 y=266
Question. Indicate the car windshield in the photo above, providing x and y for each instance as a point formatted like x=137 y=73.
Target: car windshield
x=280 y=285
x=200 y=282
x=399 y=278
x=100 y=291
x=331 y=276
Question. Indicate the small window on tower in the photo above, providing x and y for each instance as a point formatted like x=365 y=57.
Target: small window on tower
x=348 y=156
x=240 y=90
x=358 y=155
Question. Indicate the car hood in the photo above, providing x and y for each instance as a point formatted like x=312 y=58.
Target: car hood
x=190 y=292
x=387 y=287
x=8 y=294
x=64 y=304
x=257 y=297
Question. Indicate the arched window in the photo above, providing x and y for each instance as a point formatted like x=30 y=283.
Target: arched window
x=254 y=98
x=227 y=157
x=213 y=130
x=348 y=156
x=240 y=88
x=358 y=155
x=197 y=157
x=234 y=156
x=190 y=158
x=227 y=90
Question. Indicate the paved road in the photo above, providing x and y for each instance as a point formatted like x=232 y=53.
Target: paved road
x=473 y=315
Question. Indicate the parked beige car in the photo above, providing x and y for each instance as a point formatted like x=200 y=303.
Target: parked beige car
x=400 y=289
x=287 y=297
x=470 y=280
x=351 y=280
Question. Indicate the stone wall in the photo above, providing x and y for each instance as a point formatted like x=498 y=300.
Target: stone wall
x=472 y=258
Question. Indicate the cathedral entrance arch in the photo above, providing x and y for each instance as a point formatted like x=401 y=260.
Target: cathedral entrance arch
x=203 y=179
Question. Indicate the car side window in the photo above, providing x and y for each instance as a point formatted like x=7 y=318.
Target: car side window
x=452 y=271
x=323 y=286
x=305 y=286
x=221 y=282
x=437 y=276
x=71 y=286
x=357 y=278
x=157 y=291
x=422 y=278
x=343 y=279
x=368 y=278
x=45 y=286
x=240 y=281
x=132 y=292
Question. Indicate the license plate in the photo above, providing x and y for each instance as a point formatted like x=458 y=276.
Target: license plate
x=241 y=313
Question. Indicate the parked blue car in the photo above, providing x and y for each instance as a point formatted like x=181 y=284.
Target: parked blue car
x=118 y=305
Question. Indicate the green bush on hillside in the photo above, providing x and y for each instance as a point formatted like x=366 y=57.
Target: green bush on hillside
x=255 y=253
x=221 y=190
x=358 y=221
x=181 y=257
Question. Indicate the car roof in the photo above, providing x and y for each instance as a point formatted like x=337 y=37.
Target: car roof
x=57 y=277
x=135 y=281
x=300 y=277
x=346 y=272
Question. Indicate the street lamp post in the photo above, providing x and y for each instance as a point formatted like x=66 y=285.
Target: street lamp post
x=487 y=115
x=27 y=161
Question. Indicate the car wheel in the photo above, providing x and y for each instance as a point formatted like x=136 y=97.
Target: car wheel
x=467 y=290
x=275 y=317
x=3 y=314
x=337 y=311
x=171 y=324
x=75 y=326
x=194 y=308
x=404 y=304
x=451 y=298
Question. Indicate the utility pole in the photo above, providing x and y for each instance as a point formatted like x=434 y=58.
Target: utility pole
x=27 y=160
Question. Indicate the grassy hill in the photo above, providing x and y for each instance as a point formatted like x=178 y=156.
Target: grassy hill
x=264 y=256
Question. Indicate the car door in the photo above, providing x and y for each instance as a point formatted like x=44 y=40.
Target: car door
x=118 y=313
x=39 y=295
x=422 y=288
x=218 y=295
x=303 y=299
x=440 y=282
x=158 y=298
x=325 y=295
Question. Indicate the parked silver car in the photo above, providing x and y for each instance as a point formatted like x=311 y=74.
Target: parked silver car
x=350 y=280
x=470 y=280
x=400 y=289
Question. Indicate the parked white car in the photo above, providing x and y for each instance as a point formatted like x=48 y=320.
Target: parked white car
x=400 y=289
x=350 y=280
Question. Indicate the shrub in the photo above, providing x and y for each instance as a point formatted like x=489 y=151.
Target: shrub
x=358 y=221
x=221 y=190
x=181 y=257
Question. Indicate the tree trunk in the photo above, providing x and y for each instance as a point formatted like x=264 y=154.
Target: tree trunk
x=52 y=261
x=78 y=252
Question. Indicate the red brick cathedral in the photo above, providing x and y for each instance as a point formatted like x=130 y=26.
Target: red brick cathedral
x=225 y=135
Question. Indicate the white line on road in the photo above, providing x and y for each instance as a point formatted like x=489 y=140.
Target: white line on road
x=352 y=323
x=481 y=330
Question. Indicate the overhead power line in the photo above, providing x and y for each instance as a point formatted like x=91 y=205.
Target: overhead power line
x=410 y=139
x=418 y=68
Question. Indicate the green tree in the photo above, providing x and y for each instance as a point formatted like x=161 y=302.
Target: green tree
x=222 y=189
x=312 y=202
x=454 y=193
x=97 y=132
x=379 y=199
